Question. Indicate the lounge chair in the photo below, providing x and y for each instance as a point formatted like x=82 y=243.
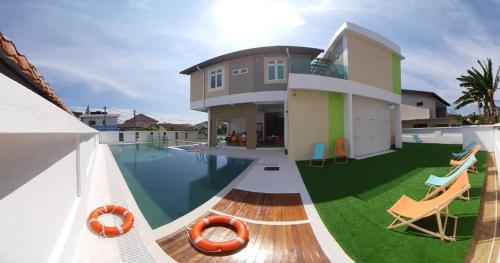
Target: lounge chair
x=407 y=211
x=416 y=138
x=436 y=181
x=472 y=168
x=340 y=154
x=464 y=152
x=318 y=155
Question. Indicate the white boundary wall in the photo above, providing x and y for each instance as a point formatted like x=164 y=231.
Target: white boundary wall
x=112 y=137
x=485 y=135
x=46 y=158
x=444 y=135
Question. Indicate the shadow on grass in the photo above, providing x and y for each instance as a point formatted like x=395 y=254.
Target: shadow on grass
x=465 y=227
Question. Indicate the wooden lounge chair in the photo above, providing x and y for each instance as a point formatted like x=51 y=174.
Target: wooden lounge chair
x=408 y=211
x=464 y=152
x=340 y=154
x=436 y=181
x=318 y=155
x=472 y=168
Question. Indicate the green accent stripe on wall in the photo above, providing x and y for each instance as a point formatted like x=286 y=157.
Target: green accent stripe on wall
x=335 y=120
x=396 y=74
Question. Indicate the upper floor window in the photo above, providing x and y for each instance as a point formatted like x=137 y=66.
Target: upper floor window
x=275 y=69
x=91 y=123
x=240 y=71
x=420 y=103
x=216 y=79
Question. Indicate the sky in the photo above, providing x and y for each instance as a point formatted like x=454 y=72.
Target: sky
x=127 y=55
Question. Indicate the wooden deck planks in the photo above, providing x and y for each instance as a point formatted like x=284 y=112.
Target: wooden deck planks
x=277 y=243
x=262 y=206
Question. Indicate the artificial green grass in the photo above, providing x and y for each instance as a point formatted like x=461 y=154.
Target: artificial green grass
x=353 y=199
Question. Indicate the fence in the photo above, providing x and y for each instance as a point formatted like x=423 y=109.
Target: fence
x=114 y=137
x=486 y=135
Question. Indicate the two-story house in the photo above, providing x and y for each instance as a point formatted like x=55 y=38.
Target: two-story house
x=294 y=97
x=420 y=109
x=100 y=120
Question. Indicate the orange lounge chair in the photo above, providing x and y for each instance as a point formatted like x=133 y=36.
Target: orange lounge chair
x=457 y=163
x=340 y=154
x=407 y=211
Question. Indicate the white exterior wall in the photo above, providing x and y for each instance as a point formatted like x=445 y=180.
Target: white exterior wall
x=409 y=109
x=484 y=135
x=45 y=155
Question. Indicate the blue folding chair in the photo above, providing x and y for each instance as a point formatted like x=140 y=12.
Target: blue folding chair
x=416 y=138
x=437 y=181
x=318 y=155
x=465 y=151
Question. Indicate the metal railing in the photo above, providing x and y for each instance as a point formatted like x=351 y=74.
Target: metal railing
x=318 y=66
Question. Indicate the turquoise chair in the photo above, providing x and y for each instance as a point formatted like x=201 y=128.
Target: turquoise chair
x=436 y=181
x=416 y=138
x=465 y=151
x=318 y=155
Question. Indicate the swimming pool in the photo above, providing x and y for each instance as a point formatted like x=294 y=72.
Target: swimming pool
x=167 y=184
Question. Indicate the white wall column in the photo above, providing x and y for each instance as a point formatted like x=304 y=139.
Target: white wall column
x=285 y=114
x=348 y=124
x=398 y=130
x=209 y=129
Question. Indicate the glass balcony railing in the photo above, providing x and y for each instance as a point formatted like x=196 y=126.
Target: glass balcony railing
x=318 y=66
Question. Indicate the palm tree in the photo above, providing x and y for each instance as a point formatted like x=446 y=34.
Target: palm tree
x=480 y=89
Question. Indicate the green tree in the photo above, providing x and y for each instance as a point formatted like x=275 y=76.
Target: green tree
x=480 y=87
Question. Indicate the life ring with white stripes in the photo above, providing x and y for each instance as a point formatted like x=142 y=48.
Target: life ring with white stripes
x=209 y=246
x=111 y=231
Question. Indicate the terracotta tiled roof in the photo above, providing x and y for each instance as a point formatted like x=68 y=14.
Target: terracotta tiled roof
x=20 y=63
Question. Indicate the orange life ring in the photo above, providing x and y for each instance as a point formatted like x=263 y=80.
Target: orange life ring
x=111 y=231
x=209 y=246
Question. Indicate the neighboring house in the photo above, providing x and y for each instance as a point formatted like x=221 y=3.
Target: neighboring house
x=139 y=122
x=295 y=97
x=420 y=109
x=101 y=121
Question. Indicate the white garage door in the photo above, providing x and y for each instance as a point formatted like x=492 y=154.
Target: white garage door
x=371 y=127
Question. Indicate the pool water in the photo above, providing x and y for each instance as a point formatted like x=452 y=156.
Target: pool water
x=167 y=183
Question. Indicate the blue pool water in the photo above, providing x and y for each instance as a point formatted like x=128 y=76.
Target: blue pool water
x=167 y=183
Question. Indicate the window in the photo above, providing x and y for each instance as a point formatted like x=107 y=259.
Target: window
x=103 y=122
x=216 y=79
x=240 y=71
x=120 y=136
x=136 y=136
x=276 y=70
x=91 y=123
x=420 y=103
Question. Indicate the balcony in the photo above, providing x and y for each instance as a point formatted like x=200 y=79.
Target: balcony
x=318 y=66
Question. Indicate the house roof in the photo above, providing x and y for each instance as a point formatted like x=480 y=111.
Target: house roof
x=18 y=62
x=252 y=51
x=138 y=118
x=428 y=93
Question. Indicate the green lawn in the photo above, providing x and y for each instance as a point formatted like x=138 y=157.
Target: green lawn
x=353 y=199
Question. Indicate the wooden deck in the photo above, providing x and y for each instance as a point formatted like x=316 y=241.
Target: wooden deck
x=285 y=241
x=262 y=206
